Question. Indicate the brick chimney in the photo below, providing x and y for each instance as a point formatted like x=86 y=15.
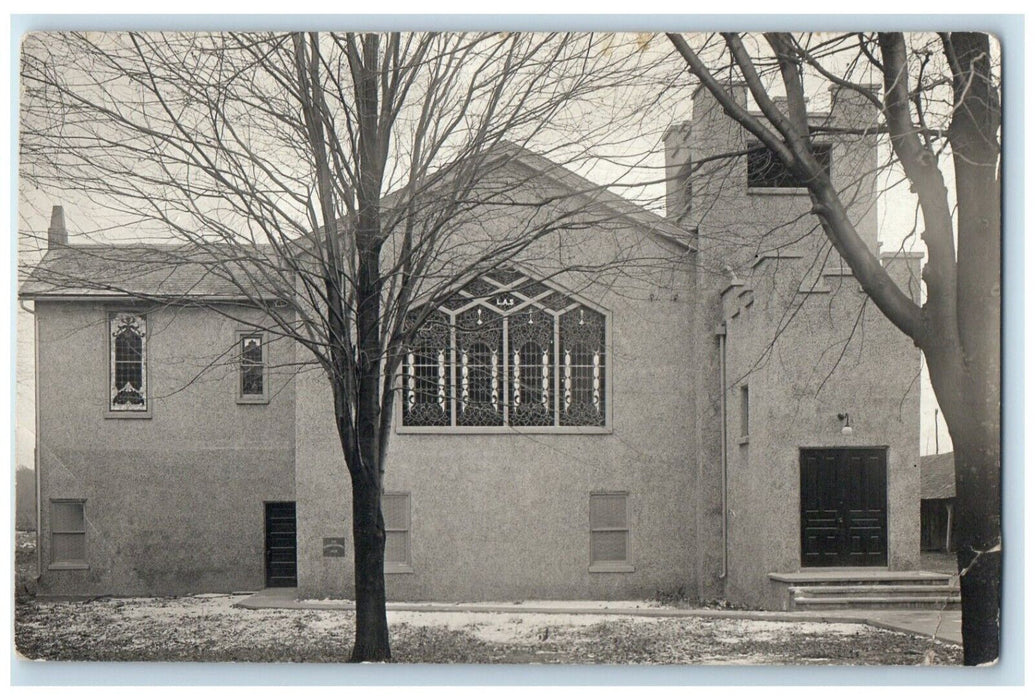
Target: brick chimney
x=57 y=234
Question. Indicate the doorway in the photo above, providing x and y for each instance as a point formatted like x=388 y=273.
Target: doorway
x=281 y=547
x=844 y=507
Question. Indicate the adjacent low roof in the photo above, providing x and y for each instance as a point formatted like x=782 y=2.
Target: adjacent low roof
x=937 y=476
x=152 y=271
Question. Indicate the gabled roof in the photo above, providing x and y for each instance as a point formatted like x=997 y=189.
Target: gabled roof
x=653 y=224
x=214 y=270
x=937 y=476
x=165 y=271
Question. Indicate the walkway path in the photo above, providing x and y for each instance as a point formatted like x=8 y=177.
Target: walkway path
x=929 y=623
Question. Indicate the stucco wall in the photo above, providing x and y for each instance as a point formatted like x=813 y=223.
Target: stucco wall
x=736 y=222
x=806 y=358
x=506 y=516
x=174 y=502
x=786 y=327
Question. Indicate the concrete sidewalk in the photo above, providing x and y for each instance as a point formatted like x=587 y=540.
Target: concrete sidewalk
x=944 y=626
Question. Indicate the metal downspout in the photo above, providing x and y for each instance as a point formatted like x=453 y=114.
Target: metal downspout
x=720 y=331
x=36 y=434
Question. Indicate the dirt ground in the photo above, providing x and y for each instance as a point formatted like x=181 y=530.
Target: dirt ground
x=942 y=562
x=211 y=628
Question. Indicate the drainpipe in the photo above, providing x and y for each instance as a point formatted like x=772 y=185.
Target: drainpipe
x=36 y=433
x=720 y=332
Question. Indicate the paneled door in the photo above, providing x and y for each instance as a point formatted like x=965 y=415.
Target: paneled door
x=844 y=507
x=281 y=562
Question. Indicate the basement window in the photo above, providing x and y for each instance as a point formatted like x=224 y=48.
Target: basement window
x=68 y=534
x=396 y=510
x=609 y=532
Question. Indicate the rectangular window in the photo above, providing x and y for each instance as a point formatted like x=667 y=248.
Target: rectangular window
x=252 y=378
x=745 y=425
x=128 y=368
x=609 y=532
x=67 y=534
x=766 y=170
x=396 y=510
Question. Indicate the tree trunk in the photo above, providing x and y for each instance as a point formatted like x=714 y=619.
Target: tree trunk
x=368 y=533
x=978 y=538
x=970 y=404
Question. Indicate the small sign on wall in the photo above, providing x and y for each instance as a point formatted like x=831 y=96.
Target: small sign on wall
x=334 y=546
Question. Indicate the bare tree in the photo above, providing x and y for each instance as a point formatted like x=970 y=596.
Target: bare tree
x=353 y=178
x=939 y=101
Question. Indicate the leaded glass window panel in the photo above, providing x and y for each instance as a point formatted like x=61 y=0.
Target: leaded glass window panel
x=507 y=350
x=426 y=396
x=479 y=288
x=532 y=289
x=253 y=366
x=530 y=340
x=556 y=301
x=128 y=387
x=505 y=275
x=479 y=341
x=582 y=366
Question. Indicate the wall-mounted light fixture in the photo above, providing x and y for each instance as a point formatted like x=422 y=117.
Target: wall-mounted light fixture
x=846 y=429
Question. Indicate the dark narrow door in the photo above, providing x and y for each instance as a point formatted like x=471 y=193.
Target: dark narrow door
x=281 y=566
x=844 y=512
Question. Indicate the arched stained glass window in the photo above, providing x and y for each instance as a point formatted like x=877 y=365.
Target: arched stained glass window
x=530 y=339
x=582 y=362
x=479 y=341
x=128 y=388
x=426 y=395
x=507 y=350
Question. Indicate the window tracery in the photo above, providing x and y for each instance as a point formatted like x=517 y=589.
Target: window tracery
x=507 y=350
x=427 y=395
x=128 y=386
x=479 y=344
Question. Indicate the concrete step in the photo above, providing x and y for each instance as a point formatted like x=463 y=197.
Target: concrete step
x=861 y=577
x=915 y=591
x=875 y=602
x=869 y=588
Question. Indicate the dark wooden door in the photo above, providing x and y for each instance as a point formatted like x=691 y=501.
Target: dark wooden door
x=844 y=509
x=281 y=561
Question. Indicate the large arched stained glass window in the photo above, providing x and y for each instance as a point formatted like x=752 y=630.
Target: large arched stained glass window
x=507 y=351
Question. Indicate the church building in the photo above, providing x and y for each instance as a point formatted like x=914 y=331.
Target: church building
x=722 y=427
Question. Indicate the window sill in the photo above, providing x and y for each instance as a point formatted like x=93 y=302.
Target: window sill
x=130 y=415
x=504 y=430
x=780 y=191
x=68 y=566
x=398 y=569
x=616 y=567
x=253 y=400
